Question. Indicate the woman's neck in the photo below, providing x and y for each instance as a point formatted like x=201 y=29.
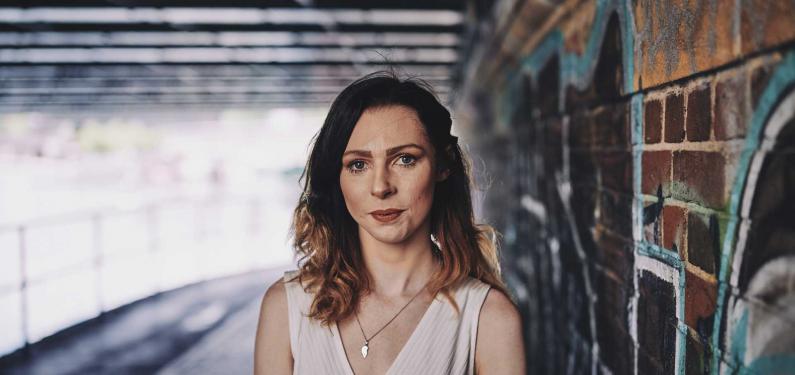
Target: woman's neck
x=398 y=269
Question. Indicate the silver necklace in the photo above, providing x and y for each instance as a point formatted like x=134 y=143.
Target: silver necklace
x=366 y=346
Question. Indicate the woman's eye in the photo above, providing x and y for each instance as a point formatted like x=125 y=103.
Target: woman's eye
x=356 y=166
x=407 y=160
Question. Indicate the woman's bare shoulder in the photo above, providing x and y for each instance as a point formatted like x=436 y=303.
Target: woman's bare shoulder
x=275 y=297
x=498 y=315
x=272 y=345
x=499 y=348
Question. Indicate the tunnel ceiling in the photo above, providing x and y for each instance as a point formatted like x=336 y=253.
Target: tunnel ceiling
x=111 y=54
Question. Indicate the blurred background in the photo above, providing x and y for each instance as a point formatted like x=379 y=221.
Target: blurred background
x=637 y=156
x=149 y=162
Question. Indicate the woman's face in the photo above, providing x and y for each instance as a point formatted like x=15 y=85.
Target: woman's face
x=388 y=174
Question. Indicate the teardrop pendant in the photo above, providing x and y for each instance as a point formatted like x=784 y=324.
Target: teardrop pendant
x=365 y=348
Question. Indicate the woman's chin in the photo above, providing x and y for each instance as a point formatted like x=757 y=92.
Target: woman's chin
x=390 y=236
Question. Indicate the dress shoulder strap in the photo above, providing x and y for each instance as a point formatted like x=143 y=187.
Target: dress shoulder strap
x=477 y=292
x=298 y=304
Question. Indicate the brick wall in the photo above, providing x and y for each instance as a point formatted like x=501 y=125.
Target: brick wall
x=638 y=159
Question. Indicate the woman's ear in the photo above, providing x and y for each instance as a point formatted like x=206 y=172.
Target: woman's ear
x=441 y=176
x=449 y=159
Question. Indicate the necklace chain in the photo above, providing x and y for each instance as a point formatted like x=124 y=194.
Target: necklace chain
x=366 y=339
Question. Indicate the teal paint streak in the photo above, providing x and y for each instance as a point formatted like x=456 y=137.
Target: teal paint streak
x=637 y=127
x=666 y=256
x=576 y=70
x=551 y=45
x=783 y=363
x=775 y=364
x=783 y=76
x=636 y=116
x=739 y=338
x=627 y=21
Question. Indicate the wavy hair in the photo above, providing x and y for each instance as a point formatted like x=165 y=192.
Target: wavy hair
x=325 y=236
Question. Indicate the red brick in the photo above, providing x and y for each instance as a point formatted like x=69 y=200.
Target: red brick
x=619 y=359
x=553 y=143
x=703 y=241
x=652 y=121
x=699 y=113
x=698 y=358
x=549 y=78
x=582 y=168
x=700 y=176
x=730 y=107
x=611 y=128
x=759 y=79
x=700 y=297
x=651 y=233
x=616 y=212
x=611 y=320
x=580 y=131
x=616 y=170
x=656 y=325
x=674 y=223
x=674 y=118
x=616 y=256
x=656 y=171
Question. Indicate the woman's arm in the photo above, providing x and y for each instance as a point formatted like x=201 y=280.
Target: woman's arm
x=499 y=348
x=272 y=345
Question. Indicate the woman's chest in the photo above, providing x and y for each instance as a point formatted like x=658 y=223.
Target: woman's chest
x=374 y=345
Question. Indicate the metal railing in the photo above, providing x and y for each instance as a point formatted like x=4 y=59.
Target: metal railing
x=207 y=223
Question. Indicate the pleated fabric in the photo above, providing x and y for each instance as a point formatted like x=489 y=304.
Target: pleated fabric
x=442 y=343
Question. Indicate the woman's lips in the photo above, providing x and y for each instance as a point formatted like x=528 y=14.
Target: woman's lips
x=386 y=216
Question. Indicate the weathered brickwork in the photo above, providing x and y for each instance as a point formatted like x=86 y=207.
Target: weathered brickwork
x=639 y=159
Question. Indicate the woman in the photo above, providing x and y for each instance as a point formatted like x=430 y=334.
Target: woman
x=395 y=277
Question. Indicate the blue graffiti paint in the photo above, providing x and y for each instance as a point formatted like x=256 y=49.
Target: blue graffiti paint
x=781 y=79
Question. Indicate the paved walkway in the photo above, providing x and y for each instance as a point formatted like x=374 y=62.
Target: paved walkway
x=228 y=349
x=205 y=328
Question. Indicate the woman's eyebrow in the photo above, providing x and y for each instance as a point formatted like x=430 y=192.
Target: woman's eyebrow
x=389 y=152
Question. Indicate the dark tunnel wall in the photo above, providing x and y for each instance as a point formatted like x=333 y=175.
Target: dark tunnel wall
x=639 y=164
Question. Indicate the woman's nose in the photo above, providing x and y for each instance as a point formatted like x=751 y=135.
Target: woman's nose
x=382 y=187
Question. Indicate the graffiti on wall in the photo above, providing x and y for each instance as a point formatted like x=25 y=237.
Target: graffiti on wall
x=651 y=231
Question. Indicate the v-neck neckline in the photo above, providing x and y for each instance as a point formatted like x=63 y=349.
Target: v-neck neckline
x=344 y=357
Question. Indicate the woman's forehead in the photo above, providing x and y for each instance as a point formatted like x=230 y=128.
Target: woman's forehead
x=384 y=127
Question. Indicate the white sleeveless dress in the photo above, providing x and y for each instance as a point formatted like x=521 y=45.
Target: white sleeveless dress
x=442 y=343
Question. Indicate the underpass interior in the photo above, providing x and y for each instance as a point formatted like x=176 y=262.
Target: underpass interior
x=634 y=155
